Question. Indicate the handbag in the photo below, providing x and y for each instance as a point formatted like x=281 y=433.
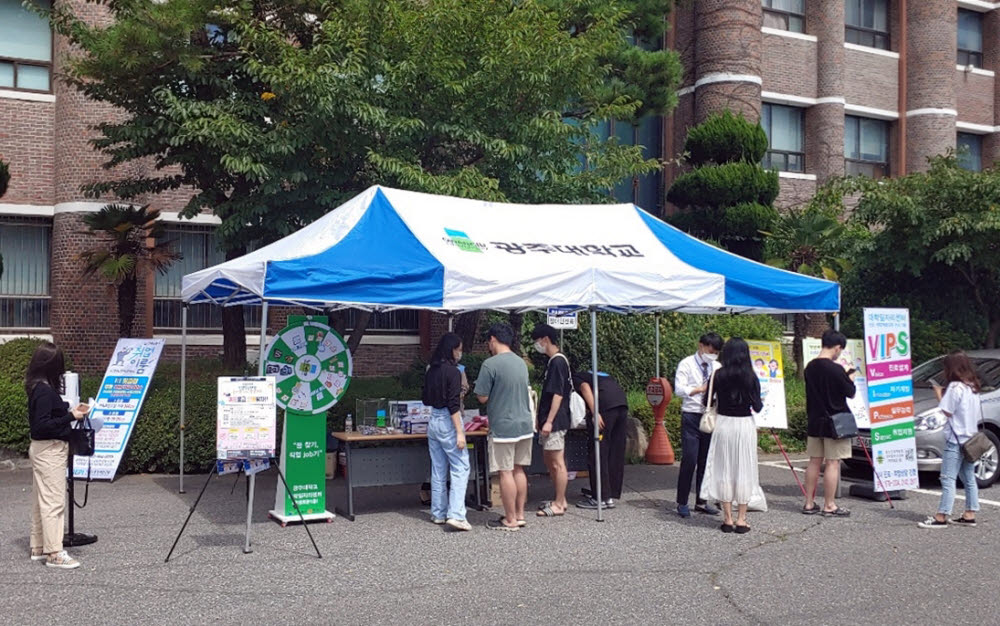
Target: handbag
x=978 y=444
x=844 y=425
x=707 y=423
x=81 y=439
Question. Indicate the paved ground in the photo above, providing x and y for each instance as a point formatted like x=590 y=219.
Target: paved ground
x=642 y=565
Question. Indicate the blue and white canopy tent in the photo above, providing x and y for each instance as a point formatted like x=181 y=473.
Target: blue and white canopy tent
x=391 y=249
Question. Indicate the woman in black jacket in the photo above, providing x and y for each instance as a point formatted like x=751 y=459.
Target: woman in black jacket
x=446 y=434
x=49 y=418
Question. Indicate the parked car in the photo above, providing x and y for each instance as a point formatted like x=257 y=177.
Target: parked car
x=930 y=421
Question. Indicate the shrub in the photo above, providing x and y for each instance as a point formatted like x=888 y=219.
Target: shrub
x=725 y=138
x=724 y=185
x=15 y=356
x=4 y=177
x=14 y=432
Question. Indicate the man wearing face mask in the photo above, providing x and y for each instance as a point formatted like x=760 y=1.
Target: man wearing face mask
x=691 y=383
x=553 y=415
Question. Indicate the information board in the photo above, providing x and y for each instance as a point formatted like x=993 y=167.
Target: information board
x=769 y=367
x=245 y=424
x=562 y=318
x=118 y=402
x=890 y=397
x=852 y=357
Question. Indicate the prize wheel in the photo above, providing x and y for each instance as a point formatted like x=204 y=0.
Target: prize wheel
x=311 y=366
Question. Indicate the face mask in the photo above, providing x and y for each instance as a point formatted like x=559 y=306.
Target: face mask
x=539 y=348
x=710 y=357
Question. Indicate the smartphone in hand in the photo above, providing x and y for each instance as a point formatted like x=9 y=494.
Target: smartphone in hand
x=82 y=408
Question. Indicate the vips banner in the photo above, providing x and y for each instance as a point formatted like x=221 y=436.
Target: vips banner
x=890 y=397
x=767 y=363
x=117 y=405
x=853 y=357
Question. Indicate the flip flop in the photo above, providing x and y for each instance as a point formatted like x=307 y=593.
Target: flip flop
x=544 y=504
x=837 y=512
x=810 y=511
x=547 y=511
x=498 y=524
x=520 y=523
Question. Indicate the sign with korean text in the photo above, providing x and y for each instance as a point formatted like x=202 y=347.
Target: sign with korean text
x=562 y=318
x=769 y=367
x=304 y=456
x=117 y=405
x=890 y=397
x=852 y=357
x=245 y=424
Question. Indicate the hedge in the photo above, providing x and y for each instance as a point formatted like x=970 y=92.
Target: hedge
x=725 y=185
x=725 y=138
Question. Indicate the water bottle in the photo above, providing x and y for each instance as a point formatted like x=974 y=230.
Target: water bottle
x=349 y=424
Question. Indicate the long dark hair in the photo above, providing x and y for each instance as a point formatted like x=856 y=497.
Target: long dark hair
x=47 y=366
x=445 y=351
x=958 y=368
x=737 y=376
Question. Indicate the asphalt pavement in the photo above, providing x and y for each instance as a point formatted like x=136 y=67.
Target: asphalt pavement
x=642 y=565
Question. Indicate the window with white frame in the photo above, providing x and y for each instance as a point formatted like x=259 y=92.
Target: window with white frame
x=25 y=47
x=785 y=137
x=24 y=286
x=970 y=151
x=866 y=146
x=787 y=15
x=867 y=23
x=970 y=38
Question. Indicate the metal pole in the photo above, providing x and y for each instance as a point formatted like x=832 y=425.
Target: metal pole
x=836 y=322
x=451 y=323
x=184 y=325
x=597 y=410
x=656 y=318
x=252 y=484
x=263 y=339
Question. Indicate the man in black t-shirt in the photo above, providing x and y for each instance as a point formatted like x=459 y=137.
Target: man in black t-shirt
x=553 y=415
x=828 y=387
x=612 y=419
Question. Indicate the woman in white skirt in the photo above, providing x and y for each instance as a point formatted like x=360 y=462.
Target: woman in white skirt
x=733 y=454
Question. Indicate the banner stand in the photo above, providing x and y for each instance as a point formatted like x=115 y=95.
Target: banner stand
x=73 y=538
x=305 y=427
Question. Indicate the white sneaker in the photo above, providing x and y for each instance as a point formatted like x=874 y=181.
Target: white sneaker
x=38 y=555
x=62 y=560
x=459 y=524
x=438 y=521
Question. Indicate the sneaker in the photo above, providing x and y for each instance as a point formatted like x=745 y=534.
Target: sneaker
x=961 y=521
x=37 y=554
x=61 y=560
x=932 y=522
x=706 y=508
x=439 y=521
x=459 y=524
x=683 y=511
x=591 y=504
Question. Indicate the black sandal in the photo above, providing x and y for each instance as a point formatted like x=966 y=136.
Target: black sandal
x=837 y=512
x=727 y=528
x=742 y=530
x=813 y=510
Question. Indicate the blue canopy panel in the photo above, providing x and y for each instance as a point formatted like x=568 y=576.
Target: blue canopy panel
x=397 y=271
x=749 y=285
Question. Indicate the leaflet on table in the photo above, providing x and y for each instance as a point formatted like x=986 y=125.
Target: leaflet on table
x=119 y=399
x=766 y=356
x=852 y=357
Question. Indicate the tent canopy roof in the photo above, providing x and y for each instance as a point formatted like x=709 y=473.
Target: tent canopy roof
x=388 y=248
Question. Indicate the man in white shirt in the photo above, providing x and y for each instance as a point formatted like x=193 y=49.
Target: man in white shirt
x=690 y=385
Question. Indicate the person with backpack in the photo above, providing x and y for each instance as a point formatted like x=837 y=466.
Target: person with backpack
x=553 y=419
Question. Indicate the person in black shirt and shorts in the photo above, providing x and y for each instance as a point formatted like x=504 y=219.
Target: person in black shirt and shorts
x=828 y=387
x=553 y=416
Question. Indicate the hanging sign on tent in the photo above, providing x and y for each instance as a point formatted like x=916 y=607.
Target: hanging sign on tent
x=245 y=425
x=117 y=405
x=562 y=318
x=767 y=364
x=890 y=397
x=852 y=357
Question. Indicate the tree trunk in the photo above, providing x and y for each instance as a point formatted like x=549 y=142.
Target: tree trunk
x=358 y=332
x=993 y=336
x=806 y=325
x=466 y=327
x=234 y=330
x=126 y=306
x=517 y=323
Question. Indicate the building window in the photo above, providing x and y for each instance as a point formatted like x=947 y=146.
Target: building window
x=785 y=15
x=25 y=47
x=970 y=38
x=866 y=146
x=643 y=191
x=24 y=285
x=970 y=151
x=784 y=129
x=867 y=23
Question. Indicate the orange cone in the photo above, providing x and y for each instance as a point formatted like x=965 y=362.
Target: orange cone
x=659 y=393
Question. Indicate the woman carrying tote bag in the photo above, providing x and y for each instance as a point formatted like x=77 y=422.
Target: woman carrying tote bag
x=961 y=406
x=733 y=453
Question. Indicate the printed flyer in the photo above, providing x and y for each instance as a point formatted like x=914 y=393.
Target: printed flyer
x=767 y=363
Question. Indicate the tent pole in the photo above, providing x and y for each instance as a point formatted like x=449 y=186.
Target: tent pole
x=657 y=319
x=836 y=321
x=451 y=323
x=597 y=411
x=263 y=338
x=184 y=325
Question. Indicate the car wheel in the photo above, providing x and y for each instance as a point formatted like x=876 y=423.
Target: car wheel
x=988 y=468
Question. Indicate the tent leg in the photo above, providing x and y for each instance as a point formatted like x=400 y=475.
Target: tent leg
x=263 y=339
x=597 y=427
x=836 y=322
x=451 y=323
x=184 y=319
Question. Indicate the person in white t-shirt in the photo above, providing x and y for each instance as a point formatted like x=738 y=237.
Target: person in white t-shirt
x=960 y=404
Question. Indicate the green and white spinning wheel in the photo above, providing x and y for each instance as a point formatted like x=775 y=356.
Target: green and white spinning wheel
x=311 y=365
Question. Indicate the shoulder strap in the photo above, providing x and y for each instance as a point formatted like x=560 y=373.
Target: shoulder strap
x=569 y=370
x=711 y=387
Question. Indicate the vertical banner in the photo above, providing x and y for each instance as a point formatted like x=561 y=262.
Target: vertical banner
x=767 y=363
x=304 y=446
x=890 y=397
x=853 y=357
x=117 y=405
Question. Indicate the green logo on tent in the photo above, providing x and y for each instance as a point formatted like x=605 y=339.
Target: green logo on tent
x=460 y=239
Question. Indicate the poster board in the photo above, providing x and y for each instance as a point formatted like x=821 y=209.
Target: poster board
x=852 y=356
x=246 y=418
x=562 y=318
x=117 y=405
x=768 y=364
x=890 y=397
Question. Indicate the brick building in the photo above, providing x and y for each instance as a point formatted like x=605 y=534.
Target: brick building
x=855 y=86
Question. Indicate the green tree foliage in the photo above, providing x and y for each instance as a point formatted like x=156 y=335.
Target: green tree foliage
x=279 y=111
x=728 y=197
x=121 y=253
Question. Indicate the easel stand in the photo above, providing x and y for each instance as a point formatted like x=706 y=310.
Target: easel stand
x=72 y=538
x=251 y=485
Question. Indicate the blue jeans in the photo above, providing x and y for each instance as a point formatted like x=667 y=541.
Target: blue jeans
x=953 y=464
x=442 y=440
